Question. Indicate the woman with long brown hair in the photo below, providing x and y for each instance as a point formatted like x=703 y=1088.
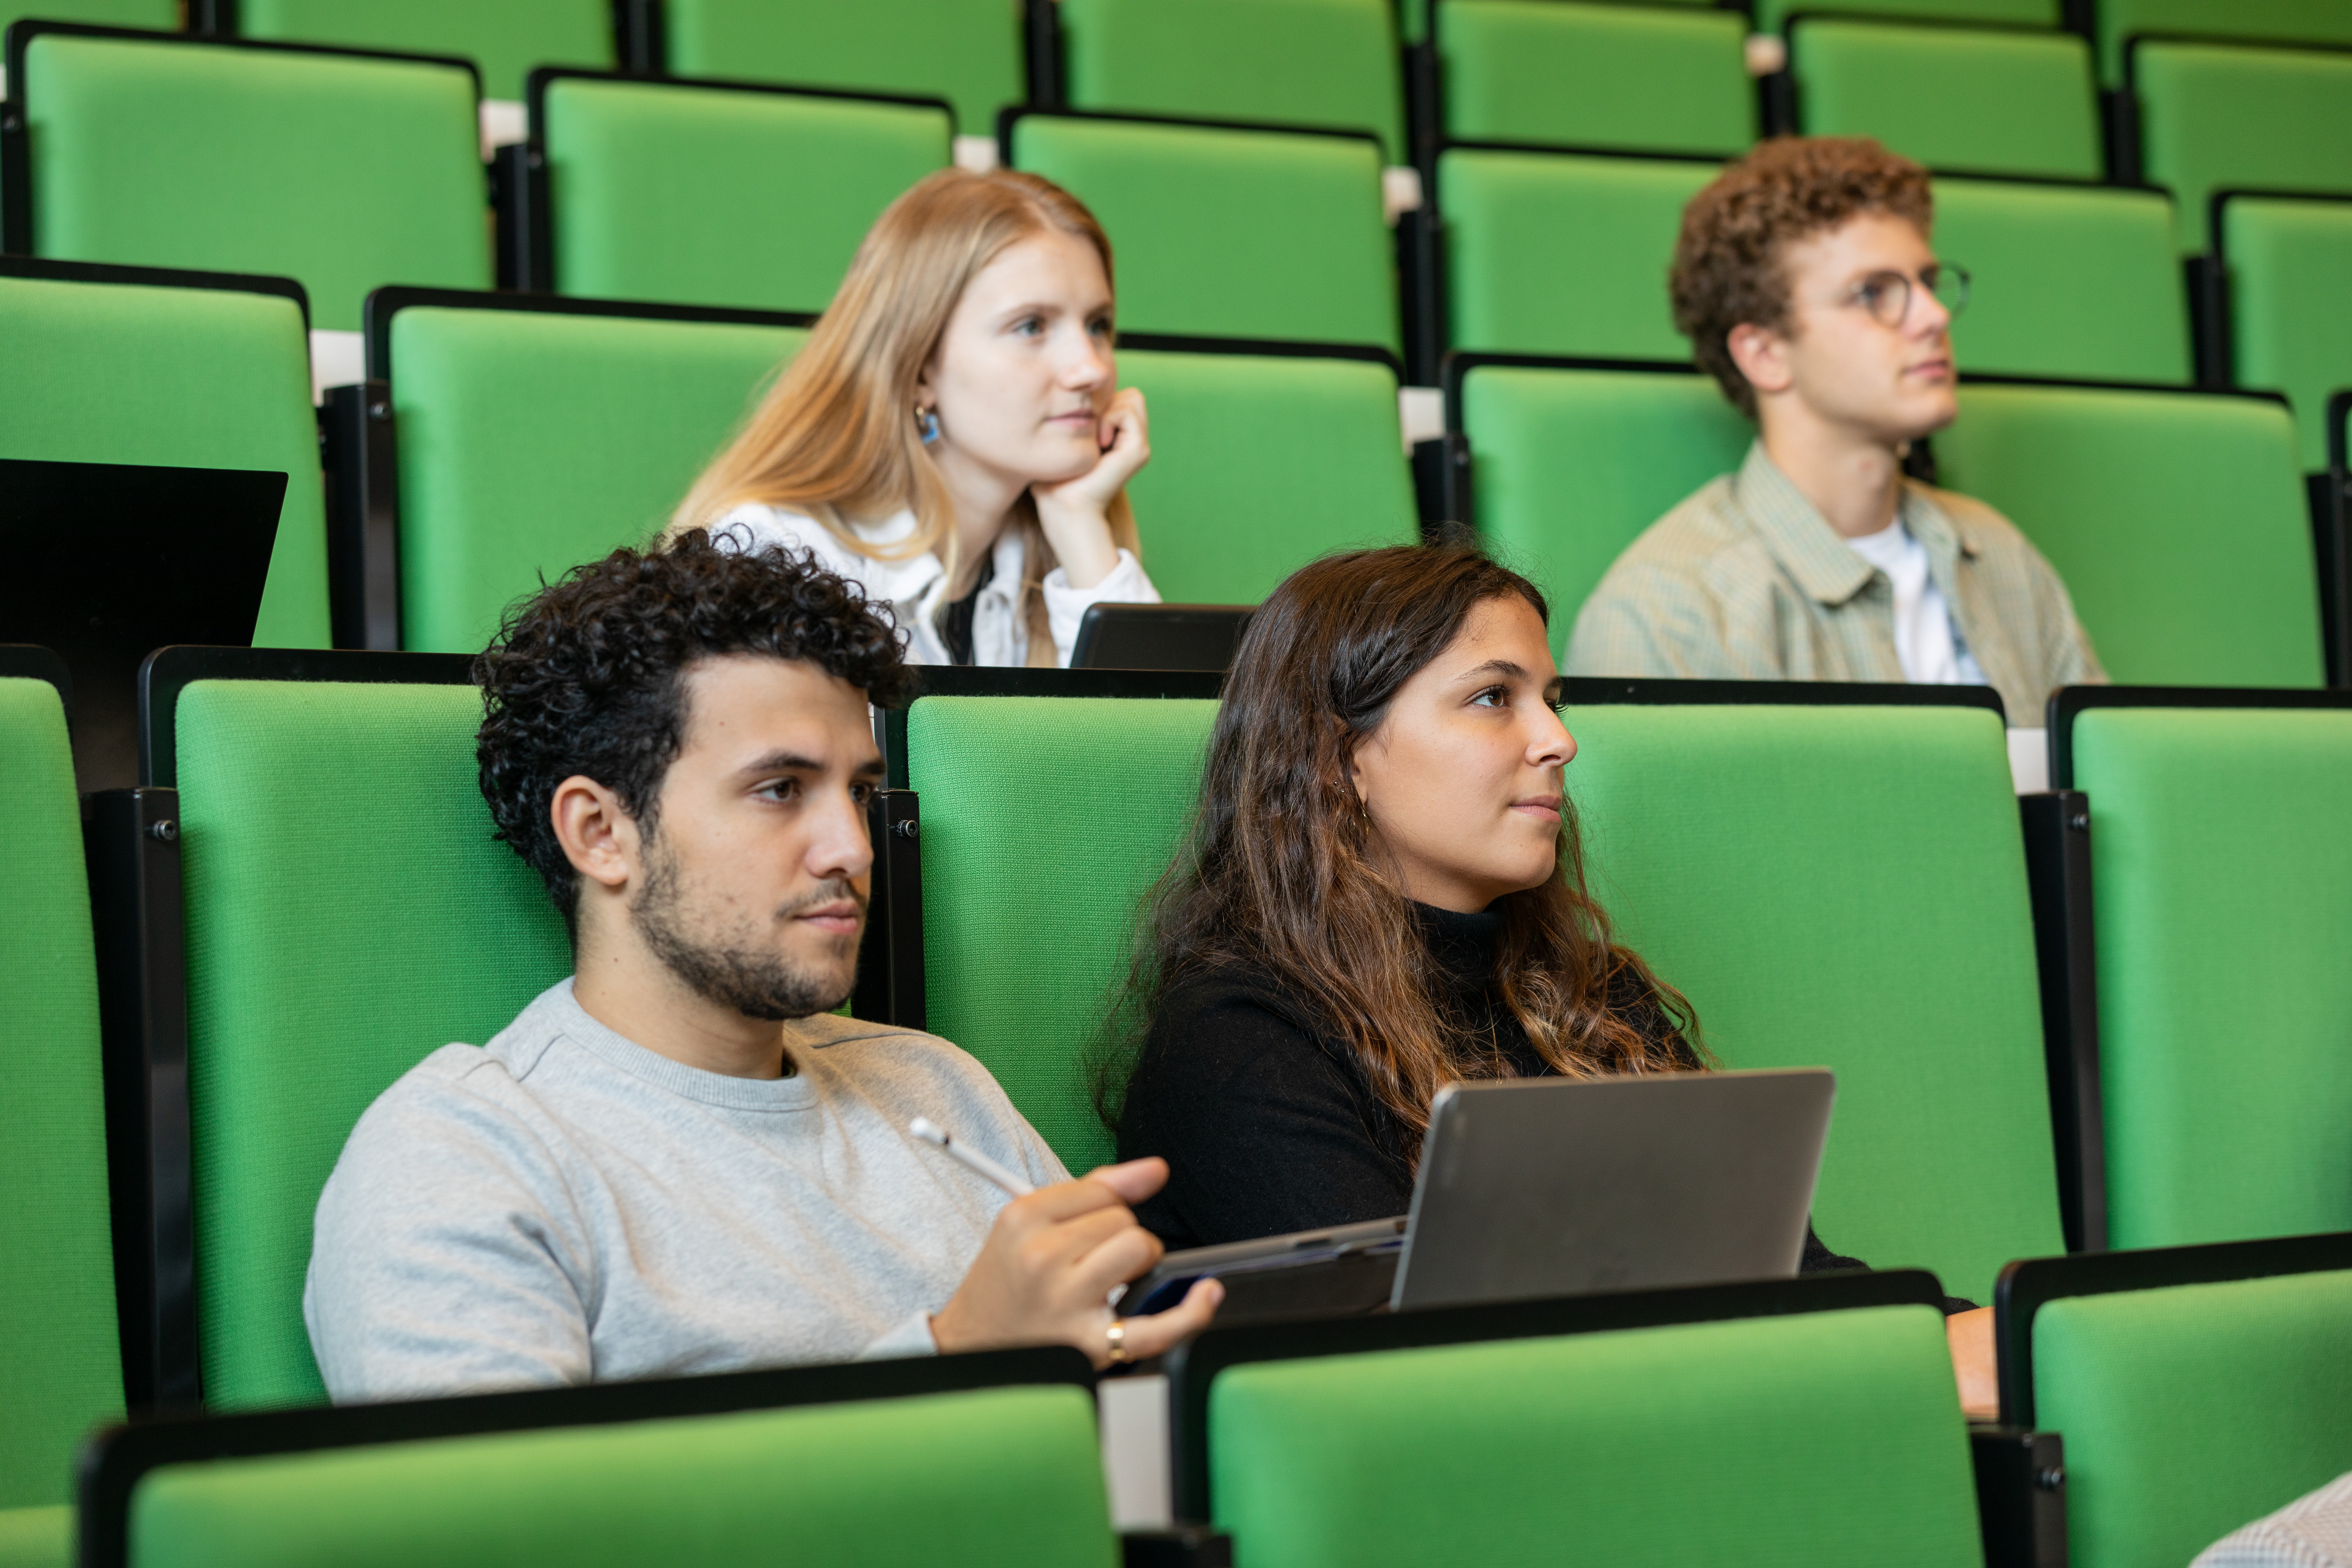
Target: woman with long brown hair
x=952 y=436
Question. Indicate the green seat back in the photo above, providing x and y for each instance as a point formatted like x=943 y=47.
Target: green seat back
x=2222 y=853
x=1026 y=922
x=1772 y=15
x=998 y=1476
x=1259 y=465
x=1572 y=465
x=2283 y=21
x=530 y=442
x=1295 y=62
x=2075 y=282
x=323 y=961
x=1661 y=79
x=1770 y=862
x=1827 y=1438
x=60 y=1366
x=1237 y=234
x=966 y=51
x=164 y=16
x=37 y=1537
x=1963 y=99
x=208 y=378
x=1552 y=254
x=2189 y=1410
x=2220 y=117
x=795 y=181
x=507 y=41
x=342 y=172
x=2290 y=316
x=2178 y=523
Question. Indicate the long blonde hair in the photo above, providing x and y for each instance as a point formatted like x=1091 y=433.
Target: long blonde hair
x=835 y=437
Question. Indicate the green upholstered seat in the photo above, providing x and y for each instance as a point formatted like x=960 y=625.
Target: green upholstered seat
x=344 y=172
x=334 y=939
x=2221 y=858
x=1649 y=78
x=164 y=16
x=1967 y=99
x=794 y=181
x=37 y=1537
x=2281 y=21
x=2290 y=315
x=197 y=377
x=1570 y=466
x=966 y=51
x=1259 y=464
x=532 y=441
x=1230 y=233
x=1773 y=14
x=2071 y=282
x=507 y=41
x=2217 y=117
x=1331 y=63
x=1554 y=254
x=2177 y=520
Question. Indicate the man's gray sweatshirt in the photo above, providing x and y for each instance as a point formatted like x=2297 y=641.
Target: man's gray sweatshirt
x=565 y=1206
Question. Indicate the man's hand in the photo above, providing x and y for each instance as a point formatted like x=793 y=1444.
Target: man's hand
x=1974 y=1364
x=1049 y=1264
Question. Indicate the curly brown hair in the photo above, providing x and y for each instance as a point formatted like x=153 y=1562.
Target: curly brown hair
x=1728 y=268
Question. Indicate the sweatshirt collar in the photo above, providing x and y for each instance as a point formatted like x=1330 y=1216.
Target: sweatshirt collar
x=572 y=1023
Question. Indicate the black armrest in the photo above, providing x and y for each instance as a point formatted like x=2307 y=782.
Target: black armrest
x=2020 y=1496
x=1184 y=1546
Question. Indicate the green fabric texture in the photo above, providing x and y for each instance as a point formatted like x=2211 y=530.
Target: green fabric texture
x=2222 y=920
x=1960 y=99
x=1261 y=464
x=507 y=41
x=2304 y=21
x=60 y=1371
x=1572 y=465
x=1235 y=234
x=1772 y=15
x=2219 y=117
x=1002 y=1477
x=2188 y=1411
x=2290 y=320
x=164 y=16
x=37 y=1537
x=1825 y=1439
x=796 y=183
x=348 y=913
x=531 y=442
x=1552 y=254
x=1653 y=79
x=1291 y=62
x=343 y=172
x=2078 y=283
x=205 y=378
x=1044 y=822
x=966 y=51
x=1845 y=887
x=2178 y=522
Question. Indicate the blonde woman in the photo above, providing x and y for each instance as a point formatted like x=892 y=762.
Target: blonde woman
x=952 y=436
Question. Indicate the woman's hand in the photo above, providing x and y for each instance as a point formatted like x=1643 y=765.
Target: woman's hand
x=1975 y=1364
x=1076 y=513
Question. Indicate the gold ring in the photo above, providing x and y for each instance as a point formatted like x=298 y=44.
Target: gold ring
x=1116 y=1334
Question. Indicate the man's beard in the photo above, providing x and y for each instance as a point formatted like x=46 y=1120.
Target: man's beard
x=756 y=982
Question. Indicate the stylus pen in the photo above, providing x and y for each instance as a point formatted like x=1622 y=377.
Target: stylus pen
x=931 y=1133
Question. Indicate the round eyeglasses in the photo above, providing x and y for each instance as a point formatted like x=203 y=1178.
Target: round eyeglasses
x=1888 y=294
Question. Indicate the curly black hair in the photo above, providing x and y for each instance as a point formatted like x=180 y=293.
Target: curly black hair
x=587 y=677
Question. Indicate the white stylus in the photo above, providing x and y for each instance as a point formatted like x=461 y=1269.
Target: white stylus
x=931 y=1133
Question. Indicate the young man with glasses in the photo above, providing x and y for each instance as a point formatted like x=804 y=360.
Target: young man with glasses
x=1805 y=280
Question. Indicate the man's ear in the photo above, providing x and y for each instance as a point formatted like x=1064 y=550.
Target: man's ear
x=1762 y=356
x=599 y=838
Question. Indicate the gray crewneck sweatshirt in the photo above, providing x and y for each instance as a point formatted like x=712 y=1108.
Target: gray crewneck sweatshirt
x=563 y=1205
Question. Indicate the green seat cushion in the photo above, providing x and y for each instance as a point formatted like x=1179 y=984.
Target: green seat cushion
x=344 y=172
x=966 y=51
x=2190 y=1410
x=507 y=41
x=1234 y=234
x=60 y=1371
x=1259 y=465
x=1001 y=1477
x=2219 y=117
x=1963 y=99
x=334 y=939
x=794 y=183
x=37 y=1537
x=2178 y=522
x=2221 y=851
x=1551 y=254
x=1772 y=15
x=1295 y=62
x=1827 y=1438
x=1658 y=80
x=2291 y=21
x=207 y=378
x=2290 y=313
x=2077 y=283
x=530 y=442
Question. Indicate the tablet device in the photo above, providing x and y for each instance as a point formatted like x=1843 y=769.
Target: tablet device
x=1159 y=636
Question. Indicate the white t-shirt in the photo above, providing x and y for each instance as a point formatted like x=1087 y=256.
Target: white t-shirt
x=1929 y=647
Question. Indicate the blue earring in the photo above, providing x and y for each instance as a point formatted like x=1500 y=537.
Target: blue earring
x=927 y=425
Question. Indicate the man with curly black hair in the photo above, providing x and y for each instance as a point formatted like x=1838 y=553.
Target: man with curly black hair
x=679 y=1160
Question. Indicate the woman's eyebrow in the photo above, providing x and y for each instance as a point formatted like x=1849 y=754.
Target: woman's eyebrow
x=1494 y=666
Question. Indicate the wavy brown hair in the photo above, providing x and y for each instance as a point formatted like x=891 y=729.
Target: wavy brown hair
x=1284 y=872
